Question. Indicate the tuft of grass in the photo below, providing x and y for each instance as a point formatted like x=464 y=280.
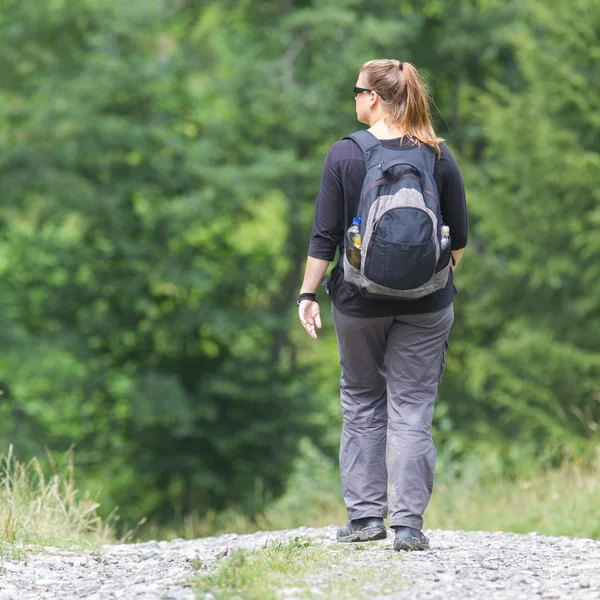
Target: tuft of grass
x=302 y=569
x=46 y=510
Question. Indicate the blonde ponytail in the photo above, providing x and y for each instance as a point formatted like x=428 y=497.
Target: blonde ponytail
x=406 y=97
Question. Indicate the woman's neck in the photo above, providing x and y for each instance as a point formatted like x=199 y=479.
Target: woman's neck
x=381 y=130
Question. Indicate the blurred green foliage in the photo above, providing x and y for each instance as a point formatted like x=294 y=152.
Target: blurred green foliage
x=158 y=168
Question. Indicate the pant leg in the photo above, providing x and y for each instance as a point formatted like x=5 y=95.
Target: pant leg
x=415 y=362
x=362 y=348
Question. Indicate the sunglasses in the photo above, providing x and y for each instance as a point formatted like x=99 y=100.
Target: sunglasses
x=359 y=90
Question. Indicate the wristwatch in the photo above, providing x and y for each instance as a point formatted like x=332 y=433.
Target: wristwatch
x=306 y=296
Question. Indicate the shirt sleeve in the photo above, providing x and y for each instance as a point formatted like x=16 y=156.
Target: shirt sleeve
x=453 y=201
x=327 y=229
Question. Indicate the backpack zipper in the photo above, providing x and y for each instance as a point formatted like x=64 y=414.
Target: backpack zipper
x=413 y=164
x=376 y=221
x=380 y=181
x=426 y=190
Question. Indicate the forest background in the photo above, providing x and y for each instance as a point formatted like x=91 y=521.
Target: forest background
x=159 y=163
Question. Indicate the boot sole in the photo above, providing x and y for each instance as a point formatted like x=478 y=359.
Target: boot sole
x=410 y=545
x=364 y=535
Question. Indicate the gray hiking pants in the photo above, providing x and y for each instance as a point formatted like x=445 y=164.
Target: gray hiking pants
x=391 y=369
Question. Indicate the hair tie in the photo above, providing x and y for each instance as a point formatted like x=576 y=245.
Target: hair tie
x=400 y=65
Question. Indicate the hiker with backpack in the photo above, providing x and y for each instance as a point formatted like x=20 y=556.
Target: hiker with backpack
x=399 y=188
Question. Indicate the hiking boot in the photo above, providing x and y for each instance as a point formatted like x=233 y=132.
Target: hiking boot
x=362 y=530
x=408 y=538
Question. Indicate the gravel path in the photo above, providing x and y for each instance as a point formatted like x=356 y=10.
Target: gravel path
x=460 y=564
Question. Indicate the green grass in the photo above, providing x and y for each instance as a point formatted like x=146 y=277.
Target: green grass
x=46 y=509
x=550 y=500
x=39 y=509
x=478 y=493
x=302 y=570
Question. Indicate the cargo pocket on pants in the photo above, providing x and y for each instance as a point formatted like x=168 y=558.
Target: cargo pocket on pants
x=443 y=363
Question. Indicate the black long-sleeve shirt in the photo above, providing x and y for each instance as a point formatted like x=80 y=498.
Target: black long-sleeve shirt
x=337 y=203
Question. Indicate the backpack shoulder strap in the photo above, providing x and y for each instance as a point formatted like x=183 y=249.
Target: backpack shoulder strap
x=367 y=142
x=423 y=156
x=427 y=157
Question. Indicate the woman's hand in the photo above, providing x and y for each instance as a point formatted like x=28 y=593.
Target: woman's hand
x=310 y=317
x=308 y=310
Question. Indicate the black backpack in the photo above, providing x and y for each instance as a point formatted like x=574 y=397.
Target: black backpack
x=401 y=254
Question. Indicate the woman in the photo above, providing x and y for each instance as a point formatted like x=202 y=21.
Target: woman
x=392 y=351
